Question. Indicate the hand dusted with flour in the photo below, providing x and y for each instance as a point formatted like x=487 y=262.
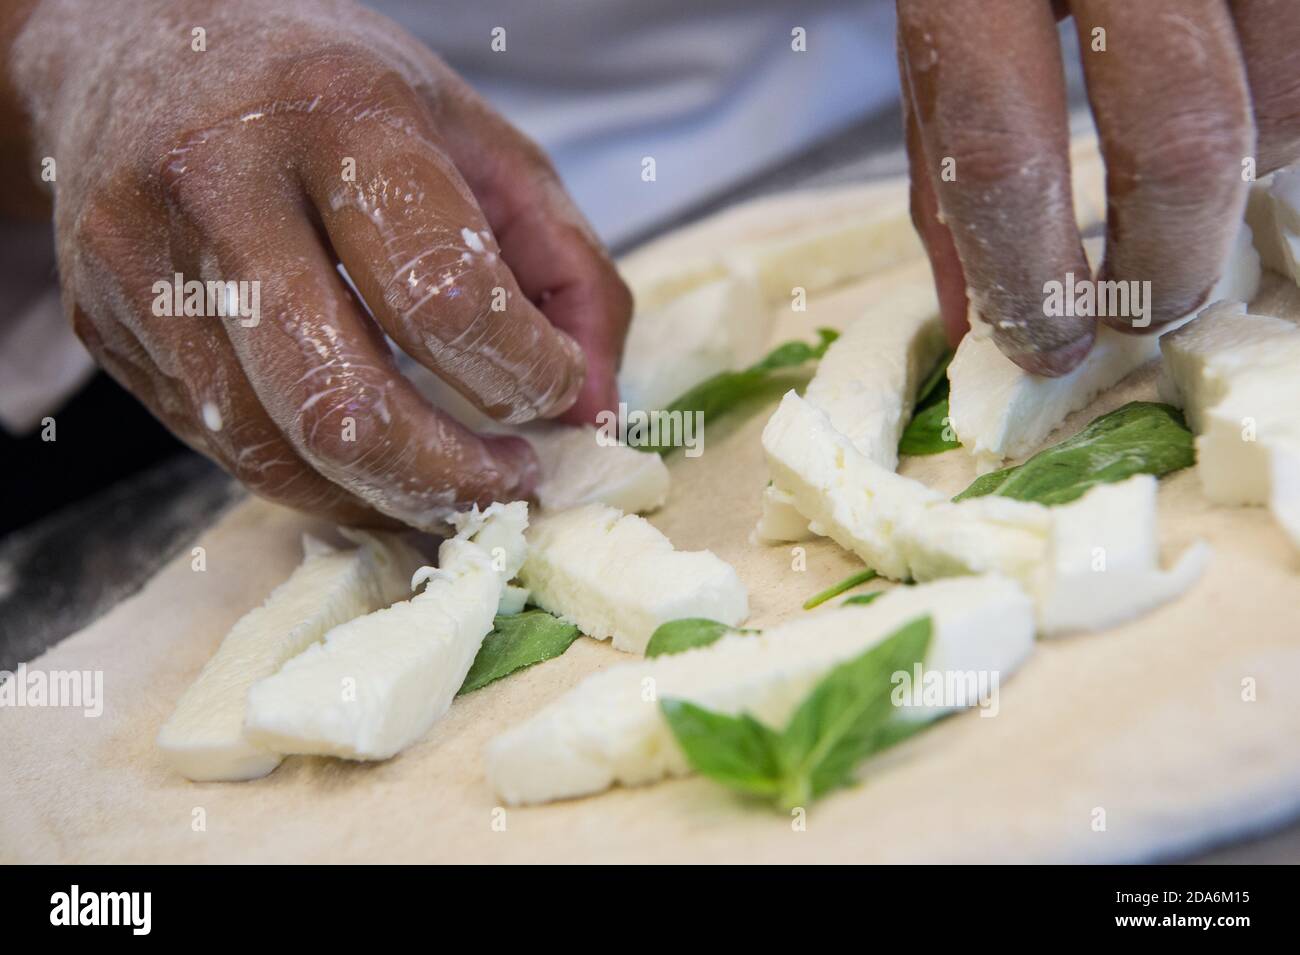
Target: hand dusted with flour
x=1189 y=97
x=255 y=143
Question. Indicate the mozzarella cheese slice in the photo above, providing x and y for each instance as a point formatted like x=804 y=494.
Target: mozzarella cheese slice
x=204 y=738
x=779 y=521
x=1234 y=375
x=616 y=576
x=1103 y=562
x=1273 y=211
x=899 y=527
x=904 y=530
x=868 y=378
x=577 y=469
x=998 y=410
x=689 y=328
x=865 y=384
x=513 y=600
x=609 y=729
x=377 y=683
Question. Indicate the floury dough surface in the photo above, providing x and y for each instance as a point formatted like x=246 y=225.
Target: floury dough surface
x=1145 y=721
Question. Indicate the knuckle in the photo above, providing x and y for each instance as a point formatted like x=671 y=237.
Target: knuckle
x=322 y=70
x=987 y=155
x=1197 y=149
x=340 y=438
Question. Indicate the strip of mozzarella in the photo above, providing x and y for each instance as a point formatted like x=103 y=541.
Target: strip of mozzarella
x=906 y=531
x=868 y=378
x=866 y=385
x=578 y=469
x=779 y=521
x=1103 y=562
x=998 y=410
x=616 y=576
x=1234 y=374
x=204 y=738
x=1273 y=211
x=377 y=683
x=688 y=328
x=609 y=729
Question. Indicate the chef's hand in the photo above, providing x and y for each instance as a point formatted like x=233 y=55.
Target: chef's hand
x=1184 y=91
x=300 y=135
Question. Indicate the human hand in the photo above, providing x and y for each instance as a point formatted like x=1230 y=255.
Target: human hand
x=1183 y=93
x=300 y=136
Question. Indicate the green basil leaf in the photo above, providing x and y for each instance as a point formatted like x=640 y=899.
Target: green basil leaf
x=737 y=751
x=835 y=590
x=863 y=598
x=846 y=717
x=929 y=431
x=723 y=391
x=840 y=722
x=686 y=634
x=935 y=385
x=517 y=641
x=1142 y=437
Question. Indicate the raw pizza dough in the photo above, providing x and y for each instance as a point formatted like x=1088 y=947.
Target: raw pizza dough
x=1146 y=721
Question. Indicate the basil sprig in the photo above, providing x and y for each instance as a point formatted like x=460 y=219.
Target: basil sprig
x=848 y=716
x=929 y=431
x=1142 y=437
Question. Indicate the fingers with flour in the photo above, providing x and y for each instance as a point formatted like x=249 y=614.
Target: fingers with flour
x=1170 y=99
x=550 y=248
x=418 y=247
x=988 y=95
x=325 y=375
x=1269 y=34
x=945 y=264
x=182 y=367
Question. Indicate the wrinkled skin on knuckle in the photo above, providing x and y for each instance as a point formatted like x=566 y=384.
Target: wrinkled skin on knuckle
x=347 y=440
x=1182 y=181
x=1183 y=159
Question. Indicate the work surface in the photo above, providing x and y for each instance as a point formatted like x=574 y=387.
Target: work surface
x=1143 y=728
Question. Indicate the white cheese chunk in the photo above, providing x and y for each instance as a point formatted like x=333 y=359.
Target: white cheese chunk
x=204 y=738
x=779 y=521
x=906 y=531
x=1235 y=376
x=866 y=385
x=377 y=683
x=899 y=527
x=687 y=329
x=998 y=410
x=616 y=576
x=609 y=729
x=1103 y=564
x=513 y=600
x=577 y=469
x=867 y=381
x=1273 y=211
